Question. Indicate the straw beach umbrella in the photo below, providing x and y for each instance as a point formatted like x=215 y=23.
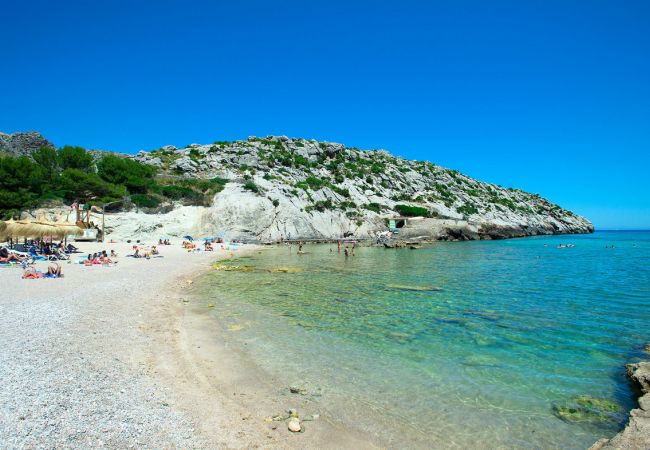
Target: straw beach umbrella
x=69 y=228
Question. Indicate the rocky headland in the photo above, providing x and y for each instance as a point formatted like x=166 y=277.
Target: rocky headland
x=276 y=186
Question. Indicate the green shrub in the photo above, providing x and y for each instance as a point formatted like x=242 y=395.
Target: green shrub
x=135 y=176
x=300 y=160
x=412 y=211
x=180 y=192
x=251 y=186
x=314 y=183
x=377 y=168
x=74 y=158
x=375 y=207
x=341 y=191
x=467 y=209
x=145 y=201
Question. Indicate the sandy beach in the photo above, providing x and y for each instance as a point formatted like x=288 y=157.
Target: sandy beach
x=125 y=357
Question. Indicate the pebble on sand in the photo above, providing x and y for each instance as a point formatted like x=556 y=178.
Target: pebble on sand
x=294 y=425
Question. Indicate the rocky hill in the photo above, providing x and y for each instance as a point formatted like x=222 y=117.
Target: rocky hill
x=298 y=188
x=22 y=144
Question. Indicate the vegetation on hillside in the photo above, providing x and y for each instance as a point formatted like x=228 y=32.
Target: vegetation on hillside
x=71 y=174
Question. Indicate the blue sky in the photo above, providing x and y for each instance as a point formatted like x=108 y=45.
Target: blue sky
x=549 y=96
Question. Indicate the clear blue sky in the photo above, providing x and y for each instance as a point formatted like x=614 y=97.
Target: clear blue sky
x=549 y=96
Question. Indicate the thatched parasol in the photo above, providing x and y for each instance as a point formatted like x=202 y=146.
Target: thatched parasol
x=69 y=228
x=38 y=228
x=18 y=228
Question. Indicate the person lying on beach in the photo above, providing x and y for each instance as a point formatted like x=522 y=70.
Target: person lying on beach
x=32 y=274
x=6 y=256
x=208 y=247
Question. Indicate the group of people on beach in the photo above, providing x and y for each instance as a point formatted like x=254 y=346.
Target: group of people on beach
x=144 y=252
x=101 y=258
x=26 y=262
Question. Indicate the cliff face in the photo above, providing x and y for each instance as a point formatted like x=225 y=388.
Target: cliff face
x=307 y=189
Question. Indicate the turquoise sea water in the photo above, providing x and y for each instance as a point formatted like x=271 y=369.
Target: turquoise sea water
x=500 y=334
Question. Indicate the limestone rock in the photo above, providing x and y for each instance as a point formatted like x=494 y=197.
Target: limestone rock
x=636 y=435
x=305 y=189
x=22 y=144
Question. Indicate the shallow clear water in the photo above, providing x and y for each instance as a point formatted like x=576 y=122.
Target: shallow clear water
x=504 y=331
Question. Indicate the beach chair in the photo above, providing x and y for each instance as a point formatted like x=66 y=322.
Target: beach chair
x=35 y=256
x=71 y=249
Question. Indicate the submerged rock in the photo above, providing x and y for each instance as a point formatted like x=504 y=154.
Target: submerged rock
x=403 y=287
x=297 y=390
x=588 y=409
x=225 y=268
x=286 y=270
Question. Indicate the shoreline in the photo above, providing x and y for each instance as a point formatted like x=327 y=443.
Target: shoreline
x=131 y=356
x=122 y=356
x=246 y=393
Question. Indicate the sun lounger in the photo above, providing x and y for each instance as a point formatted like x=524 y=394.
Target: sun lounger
x=35 y=256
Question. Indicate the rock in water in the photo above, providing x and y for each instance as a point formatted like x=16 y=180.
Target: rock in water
x=294 y=425
x=588 y=409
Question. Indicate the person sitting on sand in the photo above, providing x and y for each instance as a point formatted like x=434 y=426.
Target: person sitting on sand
x=208 y=246
x=113 y=254
x=104 y=259
x=89 y=261
x=54 y=271
x=154 y=250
